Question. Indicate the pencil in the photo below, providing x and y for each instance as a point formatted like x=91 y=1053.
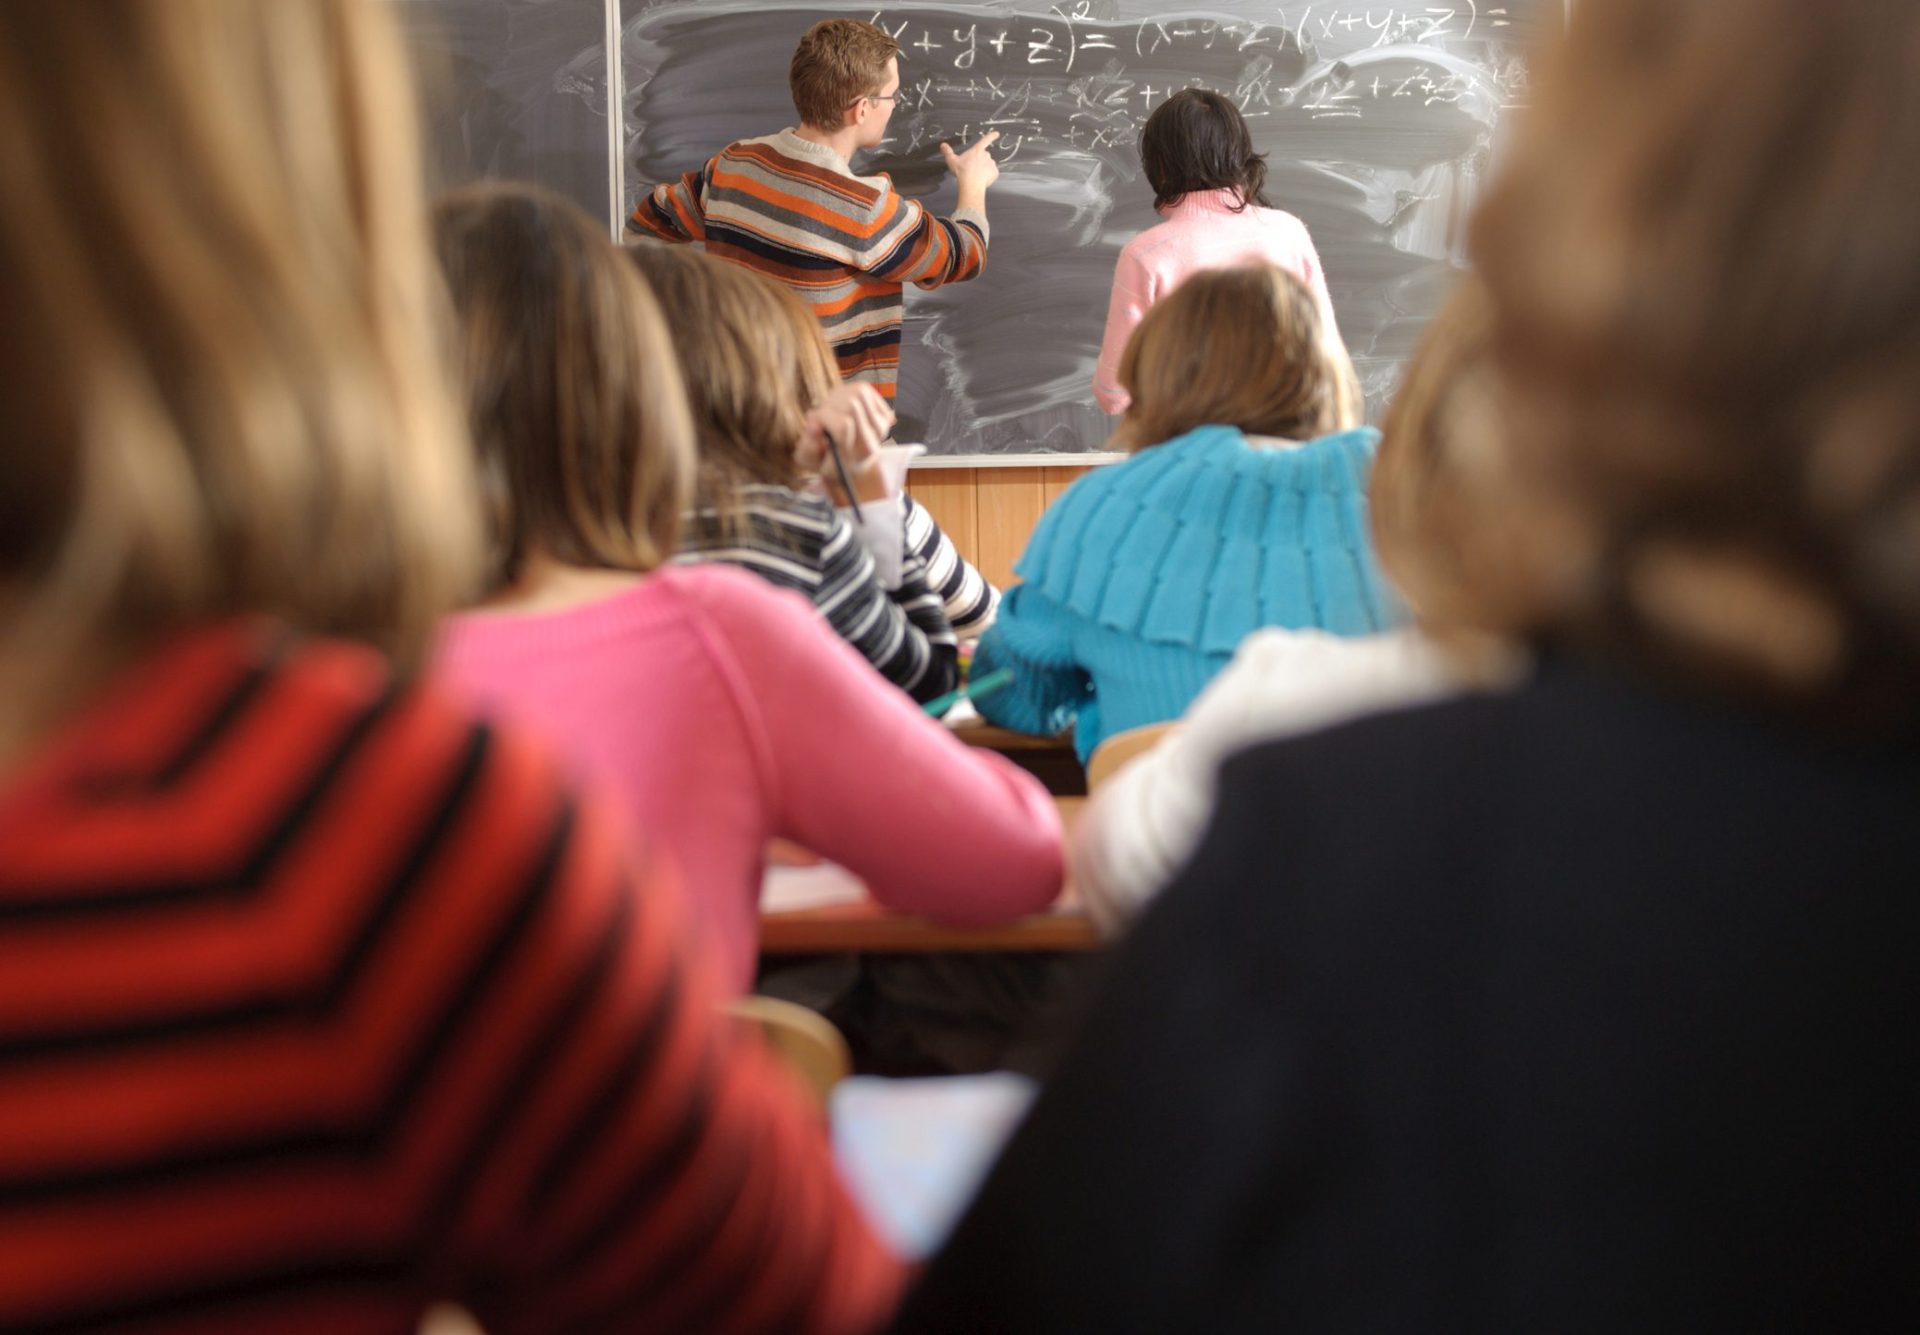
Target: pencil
x=846 y=482
x=973 y=690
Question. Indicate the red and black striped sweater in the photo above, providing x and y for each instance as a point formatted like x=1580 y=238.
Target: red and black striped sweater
x=319 y=1003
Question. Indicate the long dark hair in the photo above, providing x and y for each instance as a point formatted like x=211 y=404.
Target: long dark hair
x=1197 y=140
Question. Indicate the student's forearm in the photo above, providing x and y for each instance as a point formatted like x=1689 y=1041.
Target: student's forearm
x=974 y=197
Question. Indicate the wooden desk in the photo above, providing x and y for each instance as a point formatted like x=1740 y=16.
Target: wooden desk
x=1049 y=759
x=868 y=927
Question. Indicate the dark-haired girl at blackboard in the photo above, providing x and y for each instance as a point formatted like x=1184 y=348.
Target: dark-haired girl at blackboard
x=1209 y=187
x=1243 y=506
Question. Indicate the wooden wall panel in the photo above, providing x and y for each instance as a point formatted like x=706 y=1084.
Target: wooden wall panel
x=1058 y=480
x=990 y=512
x=948 y=494
x=1009 y=503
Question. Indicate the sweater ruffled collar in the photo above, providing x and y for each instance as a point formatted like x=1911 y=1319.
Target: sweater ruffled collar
x=1202 y=539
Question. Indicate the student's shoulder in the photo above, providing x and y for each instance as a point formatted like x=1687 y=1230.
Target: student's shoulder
x=741 y=615
x=1280 y=223
x=208 y=714
x=796 y=520
x=733 y=600
x=1423 y=773
x=1414 y=736
x=1150 y=243
x=809 y=164
x=1360 y=807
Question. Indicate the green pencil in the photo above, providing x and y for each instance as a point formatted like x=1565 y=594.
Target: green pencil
x=973 y=690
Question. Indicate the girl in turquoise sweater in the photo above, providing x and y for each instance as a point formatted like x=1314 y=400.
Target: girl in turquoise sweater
x=1244 y=505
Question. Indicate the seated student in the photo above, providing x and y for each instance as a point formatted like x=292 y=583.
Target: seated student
x=318 y=1001
x=1586 y=1006
x=1209 y=188
x=1244 y=505
x=722 y=709
x=789 y=205
x=1143 y=824
x=761 y=382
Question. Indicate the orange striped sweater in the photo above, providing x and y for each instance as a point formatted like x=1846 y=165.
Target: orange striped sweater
x=795 y=211
x=319 y=1003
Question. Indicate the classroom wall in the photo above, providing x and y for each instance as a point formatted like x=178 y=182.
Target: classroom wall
x=989 y=512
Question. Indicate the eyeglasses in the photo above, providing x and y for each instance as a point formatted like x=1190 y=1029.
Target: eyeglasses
x=892 y=99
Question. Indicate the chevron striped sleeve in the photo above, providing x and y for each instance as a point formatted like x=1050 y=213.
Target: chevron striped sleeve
x=794 y=210
x=801 y=542
x=319 y=1003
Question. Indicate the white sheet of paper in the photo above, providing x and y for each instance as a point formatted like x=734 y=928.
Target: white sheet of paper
x=786 y=889
x=914 y=1152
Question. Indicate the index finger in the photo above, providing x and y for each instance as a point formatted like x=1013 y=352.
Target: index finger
x=984 y=140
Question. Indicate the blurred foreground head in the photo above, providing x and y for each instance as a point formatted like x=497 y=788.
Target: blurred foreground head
x=1705 y=290
x=221 y=389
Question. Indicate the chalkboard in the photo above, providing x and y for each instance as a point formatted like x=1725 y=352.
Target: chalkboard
x=1380 y=123
x=519 y=89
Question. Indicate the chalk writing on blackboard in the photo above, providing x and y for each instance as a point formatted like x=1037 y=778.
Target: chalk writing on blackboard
x=1006 y=75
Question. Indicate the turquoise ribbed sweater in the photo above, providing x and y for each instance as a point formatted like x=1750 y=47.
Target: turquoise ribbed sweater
x=1140 y=582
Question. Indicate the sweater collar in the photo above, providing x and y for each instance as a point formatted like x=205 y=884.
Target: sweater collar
x=1196 y=203
x=790 y=143
x=1199 y=540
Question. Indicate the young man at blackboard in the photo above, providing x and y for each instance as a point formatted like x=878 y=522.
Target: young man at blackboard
x=790 y=205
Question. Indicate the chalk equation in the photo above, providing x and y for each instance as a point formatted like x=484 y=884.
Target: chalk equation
x=1065 y=79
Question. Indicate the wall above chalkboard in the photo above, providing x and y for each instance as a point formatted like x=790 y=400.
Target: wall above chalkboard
x=1380 y=122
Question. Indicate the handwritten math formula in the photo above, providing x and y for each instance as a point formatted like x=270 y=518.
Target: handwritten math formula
x=1064 y=80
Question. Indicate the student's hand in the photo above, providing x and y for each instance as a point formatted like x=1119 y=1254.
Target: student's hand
x=859 y=419
x=974 y=169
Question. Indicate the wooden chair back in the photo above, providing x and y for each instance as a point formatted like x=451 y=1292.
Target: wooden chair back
x=806 y=1041
x=1113 y=754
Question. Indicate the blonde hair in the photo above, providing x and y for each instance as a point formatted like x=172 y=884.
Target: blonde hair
x=1439 y=441
x=1707 y=337
x=1242 y=347
x=220 y=386
x=755 y=362
x=836 y=63
x=579 y=420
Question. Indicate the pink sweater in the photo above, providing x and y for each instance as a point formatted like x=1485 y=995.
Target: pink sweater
x=1201 y=231
x=729 y=713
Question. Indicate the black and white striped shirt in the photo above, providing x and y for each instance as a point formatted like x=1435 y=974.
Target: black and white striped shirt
x=801 y=542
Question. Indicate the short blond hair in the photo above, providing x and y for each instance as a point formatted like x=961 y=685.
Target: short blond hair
x=1707 y=333
x=837 y=62
x=221 y=389
x=1242 y=347
x=579 y=420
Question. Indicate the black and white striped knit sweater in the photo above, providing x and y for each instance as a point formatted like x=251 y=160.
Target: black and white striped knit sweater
x=970 y=601
x=801 y=542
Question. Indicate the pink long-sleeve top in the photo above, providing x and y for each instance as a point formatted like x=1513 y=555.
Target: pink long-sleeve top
x=1200 y=231
x=728 y=714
